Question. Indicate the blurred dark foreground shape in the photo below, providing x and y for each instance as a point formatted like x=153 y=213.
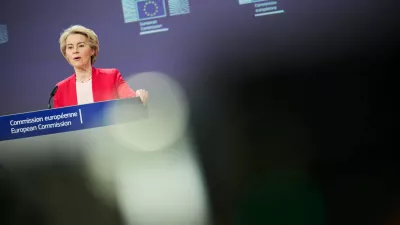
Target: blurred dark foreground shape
x=53 y=193
x=291 y=140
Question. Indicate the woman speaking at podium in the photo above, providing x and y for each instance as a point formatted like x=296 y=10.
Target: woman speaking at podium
x=80 y=47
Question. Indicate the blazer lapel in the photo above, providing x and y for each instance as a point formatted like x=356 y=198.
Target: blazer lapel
x=72 y=95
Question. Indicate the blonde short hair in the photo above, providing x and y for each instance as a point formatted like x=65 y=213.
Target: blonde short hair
x=78 y=29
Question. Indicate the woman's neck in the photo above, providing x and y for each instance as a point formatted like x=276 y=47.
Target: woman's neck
x=83 y=74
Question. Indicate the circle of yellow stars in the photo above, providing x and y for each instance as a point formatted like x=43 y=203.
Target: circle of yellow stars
x=150 y=3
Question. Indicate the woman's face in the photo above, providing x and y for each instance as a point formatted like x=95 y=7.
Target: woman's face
x=78 y=51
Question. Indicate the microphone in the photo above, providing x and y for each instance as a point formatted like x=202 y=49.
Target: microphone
x=51 y=96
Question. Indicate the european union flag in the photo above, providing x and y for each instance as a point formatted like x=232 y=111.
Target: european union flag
x=3 y=34
x=150 y=9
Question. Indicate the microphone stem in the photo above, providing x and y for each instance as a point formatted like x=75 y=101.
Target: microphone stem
x=48 y=104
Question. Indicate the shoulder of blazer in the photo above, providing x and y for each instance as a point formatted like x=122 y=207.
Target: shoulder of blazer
x=65 y=82
x=106 y=71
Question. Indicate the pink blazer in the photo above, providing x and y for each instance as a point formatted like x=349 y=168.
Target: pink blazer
x=107 y=84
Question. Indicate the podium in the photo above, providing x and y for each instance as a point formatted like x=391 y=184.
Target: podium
x=73 y=118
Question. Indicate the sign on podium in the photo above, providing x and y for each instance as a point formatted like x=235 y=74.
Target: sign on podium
x=80 y=117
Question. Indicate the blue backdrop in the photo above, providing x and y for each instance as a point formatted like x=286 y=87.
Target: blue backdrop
x=175 y=37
